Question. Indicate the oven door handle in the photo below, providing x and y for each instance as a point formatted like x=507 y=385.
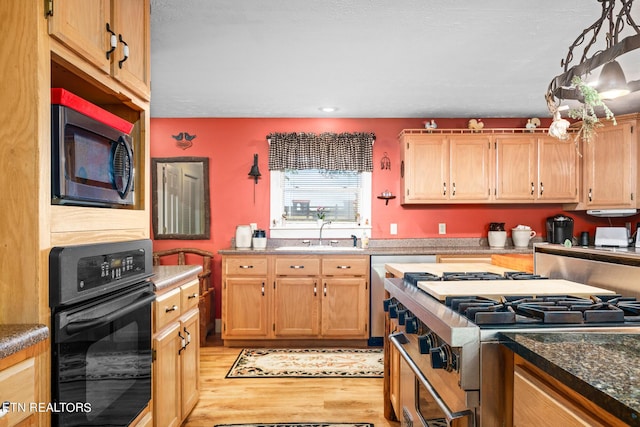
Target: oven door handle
x=397 y=339
x=75 y=327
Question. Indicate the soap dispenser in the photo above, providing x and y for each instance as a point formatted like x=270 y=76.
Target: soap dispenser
x=365 y=240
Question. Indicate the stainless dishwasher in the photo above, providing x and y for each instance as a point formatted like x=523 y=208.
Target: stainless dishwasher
x=377 y=289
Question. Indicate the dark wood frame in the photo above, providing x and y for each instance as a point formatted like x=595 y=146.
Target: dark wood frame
x=206 y=197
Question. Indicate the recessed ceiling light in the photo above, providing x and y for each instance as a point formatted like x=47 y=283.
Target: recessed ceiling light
x=328 y=109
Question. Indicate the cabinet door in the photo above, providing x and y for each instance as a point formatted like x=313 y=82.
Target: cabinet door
x=166 y=377
x=470 y=168
x=516 y=163
x=558 y=170
x=609 y=168
x=82 y=27
x=344 y=307
x=426 y=169
x=296 y=307
x=190 y=362
x=536 y=404
x=130 y=19
x=245 y=308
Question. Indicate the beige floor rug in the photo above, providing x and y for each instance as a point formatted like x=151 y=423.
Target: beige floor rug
x=316 y=363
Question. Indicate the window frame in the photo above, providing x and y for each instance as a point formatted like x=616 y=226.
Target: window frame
x=310 y=229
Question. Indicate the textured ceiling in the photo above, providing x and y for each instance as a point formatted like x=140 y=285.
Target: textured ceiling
x=368 y=58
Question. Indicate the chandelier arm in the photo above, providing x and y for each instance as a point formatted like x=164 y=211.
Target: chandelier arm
x=607 y=8
x=625 y=16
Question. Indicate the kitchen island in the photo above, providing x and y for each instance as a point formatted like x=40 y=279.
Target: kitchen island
x=601 y=368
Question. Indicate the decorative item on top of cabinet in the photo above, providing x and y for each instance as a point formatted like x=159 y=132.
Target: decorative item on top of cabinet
x=112 y=36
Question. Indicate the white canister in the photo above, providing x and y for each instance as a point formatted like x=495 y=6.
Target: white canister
x=497 y=239
x=243 y=237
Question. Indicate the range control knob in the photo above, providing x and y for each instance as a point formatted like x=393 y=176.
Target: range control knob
x=402 y=315
x=426 y=343
x=393 y=311
x=411 y=325
x=441 y=358
x=386 y=303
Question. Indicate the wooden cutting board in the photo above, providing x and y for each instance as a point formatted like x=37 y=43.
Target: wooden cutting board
x=497 y=288
x=398 y=269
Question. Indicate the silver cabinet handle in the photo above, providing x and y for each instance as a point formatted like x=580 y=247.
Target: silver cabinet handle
x=170 y=309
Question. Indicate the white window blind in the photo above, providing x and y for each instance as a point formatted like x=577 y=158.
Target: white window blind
x=309 y=193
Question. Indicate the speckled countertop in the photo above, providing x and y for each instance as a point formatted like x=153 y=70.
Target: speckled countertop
x=17 y=337
x=429 y=246
x=165 y=276
x=604 y=368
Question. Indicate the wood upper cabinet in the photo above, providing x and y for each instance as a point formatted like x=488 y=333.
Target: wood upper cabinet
x=487 y=167
x=111 y=35
x=611 y=166
x=536 y=168
x=443 y=168
x=471 y=168
x=424 y=168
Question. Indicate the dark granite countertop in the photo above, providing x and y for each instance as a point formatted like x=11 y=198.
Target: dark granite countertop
x=17 y=337
x=166 y=276
x=603 y=367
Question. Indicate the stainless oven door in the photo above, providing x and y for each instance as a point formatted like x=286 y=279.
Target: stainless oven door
x=101 y=359
x=421 y=403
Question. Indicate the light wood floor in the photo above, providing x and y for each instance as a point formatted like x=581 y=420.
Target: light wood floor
x=275 y=400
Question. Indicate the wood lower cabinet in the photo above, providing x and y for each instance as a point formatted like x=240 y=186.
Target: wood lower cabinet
x=176 y=362
x=18 y=385
x=295 y=297
x=246 y=297
x=539 y=399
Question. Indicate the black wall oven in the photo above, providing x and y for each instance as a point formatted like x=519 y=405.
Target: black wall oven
x=100 y=298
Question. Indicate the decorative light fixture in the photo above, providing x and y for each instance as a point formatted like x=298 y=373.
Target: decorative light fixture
x=562 y=88
x=255 y=174
x=612 y=83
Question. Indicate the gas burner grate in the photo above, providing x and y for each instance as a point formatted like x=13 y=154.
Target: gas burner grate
x=414 y=277
x=471 y=275
x=520 y=275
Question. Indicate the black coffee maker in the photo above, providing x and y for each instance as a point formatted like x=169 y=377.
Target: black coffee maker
x=559 y=229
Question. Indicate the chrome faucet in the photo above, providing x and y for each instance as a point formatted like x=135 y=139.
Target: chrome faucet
x=321 y=227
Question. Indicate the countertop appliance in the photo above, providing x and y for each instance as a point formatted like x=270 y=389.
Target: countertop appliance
x=612 y=236
x=450 y=352
x=243 y=237
x=92 y=158
x=378 y=274
x=559 y=229
x=100 y=297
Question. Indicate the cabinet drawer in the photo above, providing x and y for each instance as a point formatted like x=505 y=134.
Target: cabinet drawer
x=189 y=295
x=18 y=386
x=345 y=266
x=297 y=266
x=246 y=266
x=166 y=308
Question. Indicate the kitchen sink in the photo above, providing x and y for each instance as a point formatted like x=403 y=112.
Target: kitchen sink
x=313 y=248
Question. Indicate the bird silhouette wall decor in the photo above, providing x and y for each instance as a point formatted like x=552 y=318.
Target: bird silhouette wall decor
x=184 y=140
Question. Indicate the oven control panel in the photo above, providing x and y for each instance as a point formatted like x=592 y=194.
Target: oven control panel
x=98 y=270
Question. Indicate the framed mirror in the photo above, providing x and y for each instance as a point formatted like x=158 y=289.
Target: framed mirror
x=180 y=198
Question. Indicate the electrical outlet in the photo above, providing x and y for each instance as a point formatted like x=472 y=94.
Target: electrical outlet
x=442 y=228
x=393 y=229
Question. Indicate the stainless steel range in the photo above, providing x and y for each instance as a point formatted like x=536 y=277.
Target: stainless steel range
x=444 y=363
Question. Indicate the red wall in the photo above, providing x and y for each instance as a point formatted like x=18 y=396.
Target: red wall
x=231 y=143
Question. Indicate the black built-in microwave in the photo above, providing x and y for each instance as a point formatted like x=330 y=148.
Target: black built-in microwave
x=92 y=158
